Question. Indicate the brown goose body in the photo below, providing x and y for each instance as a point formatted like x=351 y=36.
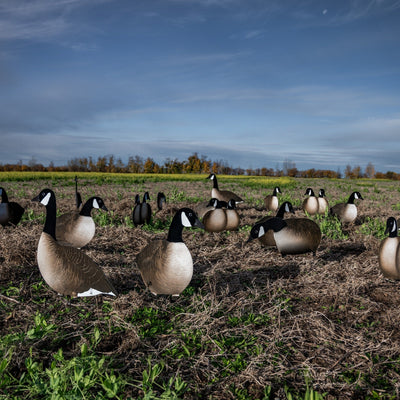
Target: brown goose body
x=310 y=204
x=389 y=251
x=232 y=216
x=292 y=236
x=166 y=266
x=215 y=220
x=271 y=201
x=77 y=228
x=268 y=239
x=323 y=204
x=346 y=212
x=65 y=269
x=222 y=195
x=10 y=212
x=69 y=271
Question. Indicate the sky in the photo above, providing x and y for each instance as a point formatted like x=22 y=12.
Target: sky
x=253 y=83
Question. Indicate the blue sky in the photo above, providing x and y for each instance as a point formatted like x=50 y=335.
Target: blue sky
x=250 y=82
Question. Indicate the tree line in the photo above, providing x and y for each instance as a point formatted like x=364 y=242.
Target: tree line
x=194 y=164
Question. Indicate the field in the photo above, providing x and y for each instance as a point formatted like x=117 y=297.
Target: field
x=251 y=325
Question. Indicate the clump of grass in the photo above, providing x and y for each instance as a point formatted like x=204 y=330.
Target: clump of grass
x=331 y=227
x=374 y=227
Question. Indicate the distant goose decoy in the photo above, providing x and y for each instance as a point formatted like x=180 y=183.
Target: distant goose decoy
x=268 y=239
x=310 y=204
x=10 y=212
x=166 y=265
x=347 y=212
x=161 y=200
x=323 y=204
x=271 y=201
x=292 y=236
x=215 y=220
x=78 y=228
x=224 y=195
x=78 y=198
x=142 y=211
x=389 y=251
x=232 y=216
x=65 y=269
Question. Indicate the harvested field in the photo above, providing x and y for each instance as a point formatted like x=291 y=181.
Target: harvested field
x=251 y=325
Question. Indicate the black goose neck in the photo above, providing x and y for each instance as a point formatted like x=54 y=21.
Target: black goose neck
x=51 y=213
x=175 y=229
x=215 y=183
x=281 y=211
x=87 y=208
x=276 y=224
x=351 y=198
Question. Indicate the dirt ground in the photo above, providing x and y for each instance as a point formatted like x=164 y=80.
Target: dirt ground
x=331 y=320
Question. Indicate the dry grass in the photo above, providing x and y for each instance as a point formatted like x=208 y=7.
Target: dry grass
x=250 y=318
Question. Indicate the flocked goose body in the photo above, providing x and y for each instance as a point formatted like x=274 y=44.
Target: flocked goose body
x=10 y=212
x=389 y=251
x=215 y=220
x=268 y=238
x=161 y=200
x=232 y=216
x=347 y=212
x=78 y=228
x=323 y=204
x=67 y=270
x=166 y=265
x=142 y=211
x=224 y=195
x=310 y=204
x=292 y=236
x=271 y=201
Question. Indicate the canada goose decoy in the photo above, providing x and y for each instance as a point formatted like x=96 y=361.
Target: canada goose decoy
x=161 y=199
x=78 y=228
x=323 y=204
x=215 y=220
x=78 y=198
x=310 y=204
x=268 y=238
x=10 y=212
x=166 y=265
x=232 y=216
x=224 y=195
x=67 y=270
x=142 y=211
x=271 y=201
x=292 y=236
x=347 y=212
x=389 y=253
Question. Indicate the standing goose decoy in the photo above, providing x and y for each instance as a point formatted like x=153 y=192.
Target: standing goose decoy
x=145 y=209
x=232 y=216
x=268 y=238
x=10 y=212
x=166 y=265
x=136 y=218
x=78 y=198
x=271 y=201
x=292 y=236
x=389 y=253
x=65 y=269
x=310 y=204
x=347 y=212
x=224 y=195
x=78 y=228
x=323 y=204
x=215 y=220
x=161 y=199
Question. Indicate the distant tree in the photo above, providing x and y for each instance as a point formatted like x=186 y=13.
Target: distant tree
x=369 y=171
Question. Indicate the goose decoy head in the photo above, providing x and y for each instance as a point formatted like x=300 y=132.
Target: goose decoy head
x=321 y=193
x=161 y=199
x=211 y=176
x=256 y=231
x=189 y=218
x=231 y=204
x=97 y=202
x=44 y=196
x=213 y=202
x=146 y=197
x=288 y=207
x=137 y=199
x=391 y=227
x=309 y=192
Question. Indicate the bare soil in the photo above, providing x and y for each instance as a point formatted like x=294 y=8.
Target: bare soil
x=331 y=320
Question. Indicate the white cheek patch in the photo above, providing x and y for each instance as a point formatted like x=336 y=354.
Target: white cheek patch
x=95 y=204
x=286 y=208
x=356 y=196
x=46 y=199
x=185 y=220
x=261 y=232
x=394 y=227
